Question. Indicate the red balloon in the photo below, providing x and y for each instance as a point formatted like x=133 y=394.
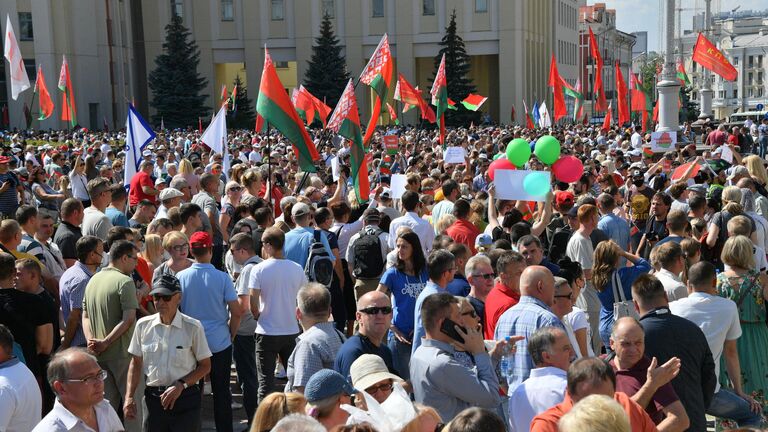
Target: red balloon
x=568 y=169
x=500 y=163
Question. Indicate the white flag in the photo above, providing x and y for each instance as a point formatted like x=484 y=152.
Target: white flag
x=215 y=136
x=137 y=135
x=19 y=78
x=544 y=119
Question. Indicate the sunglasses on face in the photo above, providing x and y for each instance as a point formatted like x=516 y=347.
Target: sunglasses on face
x=381 y=387
x=165 y=298
x=486 y=276
x=373 y=310
x=235 y=189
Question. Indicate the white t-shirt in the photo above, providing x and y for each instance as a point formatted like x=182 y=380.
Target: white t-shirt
x=278 y=281
x=580 y=250
x=578 y=319
x=20 y=401
x=717 y=317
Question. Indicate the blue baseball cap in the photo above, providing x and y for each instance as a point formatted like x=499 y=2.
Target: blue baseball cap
x=326 y=383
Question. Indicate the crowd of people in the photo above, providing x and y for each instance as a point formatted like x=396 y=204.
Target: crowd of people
x=631 y=299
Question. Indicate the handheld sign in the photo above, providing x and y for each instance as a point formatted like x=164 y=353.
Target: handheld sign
x=455 y=155
x=391 y=143
x=510 y=185
x=397 y=185
x=662 y=142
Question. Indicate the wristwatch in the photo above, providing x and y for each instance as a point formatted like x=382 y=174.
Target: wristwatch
x=183 y=384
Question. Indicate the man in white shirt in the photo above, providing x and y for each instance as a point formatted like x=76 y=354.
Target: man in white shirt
x=78 y=381
x=637 y=138
x=670 y=255
x=422 y=228
x=20 y=400
x=718 y=318
x=551 y=351
x=580 y=250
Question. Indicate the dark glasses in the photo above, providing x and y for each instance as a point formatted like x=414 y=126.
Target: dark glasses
x=381 y=387
x=485 y=276
x=165 y=298
x=373 y=310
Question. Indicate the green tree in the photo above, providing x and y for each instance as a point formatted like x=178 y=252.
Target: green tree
x=457 y=66
x=242 y=114
x=175 y=84
x=327 y=74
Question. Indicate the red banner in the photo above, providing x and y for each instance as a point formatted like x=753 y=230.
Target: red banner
x=709 y=57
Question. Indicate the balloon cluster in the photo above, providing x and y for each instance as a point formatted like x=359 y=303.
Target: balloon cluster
x=567 y=169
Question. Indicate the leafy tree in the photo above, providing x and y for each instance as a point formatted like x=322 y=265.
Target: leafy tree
x=175 y=83
x=327 y=74
x=242 y=114
x=457 y=66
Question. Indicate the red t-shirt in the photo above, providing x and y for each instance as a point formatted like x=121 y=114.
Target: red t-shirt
x=638 y=419
x=498 y=301
x=465 y=232
x=135 y=193
x=277 y=196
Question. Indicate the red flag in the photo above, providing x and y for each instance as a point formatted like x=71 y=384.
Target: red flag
x=46 y=104
x=392 y=114
x=223 y=93
x=599 y=92
x=656 y=111
x=555 y=81
x=321 y=109
x=621 y=89
x=259 y=123
x=200 y=125
x=528 y=119
x=709 y=57
x=607 y=120
x=512 y=114
x=440 y=97
x=304 y=104
x=346 y=123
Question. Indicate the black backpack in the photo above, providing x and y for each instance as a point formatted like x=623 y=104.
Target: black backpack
x=319 y=267
x=559 y=243
x=366 y=255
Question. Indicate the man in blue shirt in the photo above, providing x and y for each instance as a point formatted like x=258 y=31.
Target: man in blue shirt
x=299 y=239
x=209 y=296
x=615 y=227
x=441 y=266
x=537 y=289
x=762 y=133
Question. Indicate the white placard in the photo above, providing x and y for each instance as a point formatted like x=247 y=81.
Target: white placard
x=509 y=185
x=455 y=155
x=726 y=153
x=335 y=168
x=397 y=185
x=662 y=142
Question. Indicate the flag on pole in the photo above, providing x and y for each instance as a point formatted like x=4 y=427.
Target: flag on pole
x=259 y=124
x=575 y=92
x=599 y=92
x=393 y=114
x=68 y=107
x=544 y=119
x=19 y=78
x=556 y=82
x=46 y=104
x=345 y=122
x=233 y=99
x=473 y=102
x=452 y=105
x=709 y=57
x=512 y=114
x=607 y=119
x=302 y=101
x=641 y=102
x=378 y=76
x=322 y=110
x=681 y=75
x=440 y=98
x=199 y=125
x=223 y=95
x=274 y=105
x=138 y=135
x=215 y=136
x=621 y=89
x=528 y=119
x=536 y=114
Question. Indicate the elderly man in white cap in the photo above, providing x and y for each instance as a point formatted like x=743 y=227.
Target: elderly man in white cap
x=169 y=198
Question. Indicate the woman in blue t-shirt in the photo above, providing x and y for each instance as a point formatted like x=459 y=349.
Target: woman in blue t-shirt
x=606 y=264
x=404 y=281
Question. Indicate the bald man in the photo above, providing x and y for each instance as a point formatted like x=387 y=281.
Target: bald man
x=537 y=290
x=641 y=379
x=374 y=316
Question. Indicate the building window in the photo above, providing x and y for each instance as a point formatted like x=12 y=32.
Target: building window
x=281 y=65
x=735 y=93
x=177 y=8
x=735 y=60
x=278 y=10
x=427 y=7
x=378 y=8
x=25 y=26
x=749 y=78
x=481 y=6
x=760 y=61
x=328 y=8
x=227 y=12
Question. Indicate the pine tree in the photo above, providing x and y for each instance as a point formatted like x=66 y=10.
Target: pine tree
x=242 y=115
x=457 y=65
x=176 y=86
x=327 y=74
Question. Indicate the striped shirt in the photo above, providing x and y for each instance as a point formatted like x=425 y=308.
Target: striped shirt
x=71 y=291
x=9 y=200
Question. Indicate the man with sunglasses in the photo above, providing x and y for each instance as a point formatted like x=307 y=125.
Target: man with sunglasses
x=171 y=350
x=481 y=278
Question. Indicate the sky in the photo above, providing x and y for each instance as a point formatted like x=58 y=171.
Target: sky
x=644 y=15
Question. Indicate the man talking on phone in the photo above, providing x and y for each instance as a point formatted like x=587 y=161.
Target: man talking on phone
x=441 y=381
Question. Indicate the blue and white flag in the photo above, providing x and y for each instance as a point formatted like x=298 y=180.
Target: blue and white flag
x=138 y=135
x=536 y=114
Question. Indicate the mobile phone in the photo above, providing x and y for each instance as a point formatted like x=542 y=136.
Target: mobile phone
x=449 y=327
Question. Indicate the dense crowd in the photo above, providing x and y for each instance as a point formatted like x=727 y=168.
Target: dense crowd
x=633 y=298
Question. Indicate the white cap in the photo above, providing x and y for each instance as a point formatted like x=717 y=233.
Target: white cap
x=169 y=193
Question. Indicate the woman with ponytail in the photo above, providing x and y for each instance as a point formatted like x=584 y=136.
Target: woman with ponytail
x=717 y=231
x=577 y=318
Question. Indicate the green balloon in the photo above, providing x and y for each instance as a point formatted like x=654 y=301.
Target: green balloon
x=547 y=149
x=537 y=183
x=518 y=152
x=498 y=156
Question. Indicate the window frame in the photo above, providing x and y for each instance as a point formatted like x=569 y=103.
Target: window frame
x=424 y=11
x=177 y=6
x=24 y=23
x=324 y=9
x=272 y=9
x=230 y=6
x=484 y=9
x=373 y=9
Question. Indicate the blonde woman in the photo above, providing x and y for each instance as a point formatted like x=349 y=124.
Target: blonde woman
x=756 y=169
x=595 y=413
x=276 y=406
x=176 y=245
x=187 y=172
x=153 y=251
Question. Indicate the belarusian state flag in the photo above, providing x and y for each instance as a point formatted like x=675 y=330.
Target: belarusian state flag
x=322 y=111
x=599 y=92
x=378 y=75
x=19 y=78
x=223 y=94
x=68 y=107
x=473 y=102
x=302 y=101
x=528 y=119
x=575 y=92
x=621 y=89
x=607 y=119
x=346 y=123
x=393 y=114
x=46 y=104
x=274 y=105
x=451 y=104
x=681 y=75
x=439 y=94
x=556 y=82
x=233 y=98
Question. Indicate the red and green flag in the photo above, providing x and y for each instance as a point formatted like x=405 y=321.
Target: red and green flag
x=322 y=111
x=607 y=119
x=641 y=101
x=599 y=91
x=681 y=75
x=473 y=102
x=378 y=76
x=275 y=107
x=575 y=92
x=439 y=94
x=556 y=82
x=303 y=103
x=223 y=95
x=68 y=107
x=233 y=98
x=46 y=103
x=393 y=114
x=451 y=104
x=528 y=119
x=345 y=122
